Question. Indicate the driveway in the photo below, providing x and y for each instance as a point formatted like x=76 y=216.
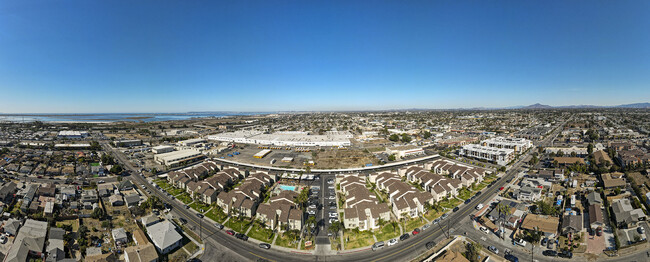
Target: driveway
x=595 y=244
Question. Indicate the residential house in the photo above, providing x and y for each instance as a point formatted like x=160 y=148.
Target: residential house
x=625 y=215
x=548 y=225
x=596 y=217
x=164 y=236
x=571 y=224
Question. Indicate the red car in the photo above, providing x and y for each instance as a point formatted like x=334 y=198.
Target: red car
x=230 y=232
x=501 y=188
x=416 y=231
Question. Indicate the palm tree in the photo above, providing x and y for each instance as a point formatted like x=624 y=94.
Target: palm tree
x=504 y=211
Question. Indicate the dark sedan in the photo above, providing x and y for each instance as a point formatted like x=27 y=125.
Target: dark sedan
x=404 y=237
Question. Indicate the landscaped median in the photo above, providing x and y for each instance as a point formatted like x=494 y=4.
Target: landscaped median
x=217 y=215
x=356 y=239
x=413 y=223
x=238 y=225
x=198 y=206
x=185 y=198
x=261 y=233
x=387 y=232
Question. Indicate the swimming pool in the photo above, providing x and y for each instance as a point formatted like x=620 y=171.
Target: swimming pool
x=290 y=188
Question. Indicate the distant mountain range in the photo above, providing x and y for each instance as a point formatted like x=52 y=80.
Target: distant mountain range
x=540 y=106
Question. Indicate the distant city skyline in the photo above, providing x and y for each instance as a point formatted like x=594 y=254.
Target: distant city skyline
x=260 y=56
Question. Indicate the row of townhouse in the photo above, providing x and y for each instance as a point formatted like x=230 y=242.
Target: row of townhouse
x=244 y=199
x=467 y=174
x=281 y=212
x=180 y=178
x=362 y=209
x=405 y=199
x=207 y=190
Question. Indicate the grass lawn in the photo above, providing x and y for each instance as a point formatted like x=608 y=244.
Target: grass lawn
x=433 y=214
x=411 y=224
x=185 y=198
x=334 y=242
x=175 y=191
x=387 y=232
x=489 y=179
x=261 y=234
x=284 y=241
x=450 y=203
x=191 y=247
x=238 y=225
x=357 y=240
x=480 y=186
x=163 y=184
x=464 y=194
x=73 y=223
x=216 y=215
x=198 y=206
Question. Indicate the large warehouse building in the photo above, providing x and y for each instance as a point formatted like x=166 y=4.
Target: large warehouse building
x=177 y=158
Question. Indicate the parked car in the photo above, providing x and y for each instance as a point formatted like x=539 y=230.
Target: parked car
x=430 y=244
x=483 y=229
x=520 y=242
x=199 y=215
x=241 y=236
x=550 y=253
x=392 y=242
x=493 y=249
x=265 y=245
x=544 y=241
x=416 y=231
x=566 y=254
x=445 y=215
x=219 y=226
x=455 y=209
x=377 y=245
x=467 y=201
x=230 y=232
x=436 y=221
x=511 y=258
x=425 y=226
x=183 y=221
x=404 y=237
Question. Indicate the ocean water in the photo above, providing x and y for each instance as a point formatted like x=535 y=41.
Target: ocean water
x=99 y=118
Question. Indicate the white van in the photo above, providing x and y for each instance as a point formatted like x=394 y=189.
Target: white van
x=479 y=206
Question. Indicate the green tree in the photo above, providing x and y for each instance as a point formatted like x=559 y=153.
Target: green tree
x=393 y=137
x=98 y=213
x=406 y=138
x=473 y=252
x=590 y=149
x=392 y=157
x=426 y=135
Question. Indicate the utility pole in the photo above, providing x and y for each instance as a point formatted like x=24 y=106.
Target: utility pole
x=532 y=252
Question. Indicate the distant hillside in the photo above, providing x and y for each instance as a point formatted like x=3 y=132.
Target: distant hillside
x=637 y=105
x=537 y=106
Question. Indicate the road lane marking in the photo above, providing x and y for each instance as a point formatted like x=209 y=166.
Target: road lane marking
x=261 y=256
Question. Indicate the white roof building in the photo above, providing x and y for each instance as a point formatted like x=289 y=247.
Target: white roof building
x=176 y=157
x=164 y=236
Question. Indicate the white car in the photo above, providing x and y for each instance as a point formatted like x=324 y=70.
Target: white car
x=483 y=229
x=311 y=212
x=392 y=242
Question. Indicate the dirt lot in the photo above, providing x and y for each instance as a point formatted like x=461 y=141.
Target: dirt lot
x=335 y=158
x=324 y=158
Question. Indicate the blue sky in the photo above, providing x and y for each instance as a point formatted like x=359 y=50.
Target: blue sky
x=179 y=56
